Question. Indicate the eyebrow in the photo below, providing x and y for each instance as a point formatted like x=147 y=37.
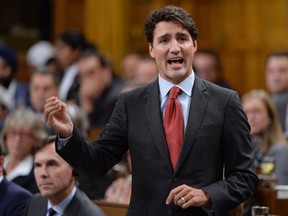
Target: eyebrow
x=164 y=35
x=47 y=162
x=177 y=34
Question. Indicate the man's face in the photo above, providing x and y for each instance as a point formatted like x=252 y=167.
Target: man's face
x=90 y=69
x=205 y=67
x=65 y=54
x=42 y=86
x=277 y=74
x=94 y=78
x=173 y=50
x=53 y=174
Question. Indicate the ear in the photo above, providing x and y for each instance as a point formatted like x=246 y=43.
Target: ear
x=151 y=50
x=195 y=45
x=1 y=165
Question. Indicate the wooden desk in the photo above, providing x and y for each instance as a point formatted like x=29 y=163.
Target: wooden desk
x=271 y=197
x=112 y=209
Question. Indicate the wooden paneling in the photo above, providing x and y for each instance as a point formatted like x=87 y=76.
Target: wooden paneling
x=112 y=209
x=106 y=24
x=67 y=14
x=242 y=32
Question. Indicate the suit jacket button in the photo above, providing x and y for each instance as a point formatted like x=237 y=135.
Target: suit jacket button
x=174 y=178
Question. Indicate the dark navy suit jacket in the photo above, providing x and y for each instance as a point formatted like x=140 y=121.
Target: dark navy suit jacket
x=13 y=199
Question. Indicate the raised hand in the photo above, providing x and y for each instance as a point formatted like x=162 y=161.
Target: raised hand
x=57 y=116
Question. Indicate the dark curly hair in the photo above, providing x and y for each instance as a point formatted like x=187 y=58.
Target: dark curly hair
x=173 y=14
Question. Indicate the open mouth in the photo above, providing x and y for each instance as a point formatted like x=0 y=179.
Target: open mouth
x=175 y=61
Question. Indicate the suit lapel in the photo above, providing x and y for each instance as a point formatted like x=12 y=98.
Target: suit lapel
x=155 y=120
x=43 y=209
x=73 y=206
x=3 y=188
x=199 y=101
x=40 y=205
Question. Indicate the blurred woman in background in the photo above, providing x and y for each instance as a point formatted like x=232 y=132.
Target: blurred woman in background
x=22 y=130
x=268 y=140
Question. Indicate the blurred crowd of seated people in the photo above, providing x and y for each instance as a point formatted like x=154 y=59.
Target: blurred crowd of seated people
x=77 y=71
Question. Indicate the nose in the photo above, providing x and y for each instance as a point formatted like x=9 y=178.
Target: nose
x=175 y=48
x=43 y=172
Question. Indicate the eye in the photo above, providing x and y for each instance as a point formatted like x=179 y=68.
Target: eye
x=52 y=163
x=183 y=39
x=37 y=165
x=164 y=41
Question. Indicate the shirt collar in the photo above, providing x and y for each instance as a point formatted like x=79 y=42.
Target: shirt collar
x=60 y=207
x=186 y=85
x=22 y=169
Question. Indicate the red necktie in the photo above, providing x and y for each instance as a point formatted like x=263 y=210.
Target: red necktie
x=173 y=125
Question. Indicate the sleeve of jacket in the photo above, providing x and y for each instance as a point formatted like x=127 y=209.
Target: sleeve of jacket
x=98 y=157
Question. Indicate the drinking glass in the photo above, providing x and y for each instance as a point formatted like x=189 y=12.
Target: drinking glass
x=267 y=168
x=260 y=211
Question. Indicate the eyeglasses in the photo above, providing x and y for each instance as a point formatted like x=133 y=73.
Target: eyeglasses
x=21 y=135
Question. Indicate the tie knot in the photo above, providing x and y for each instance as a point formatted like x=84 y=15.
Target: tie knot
x=174 y=92
x=52 y=212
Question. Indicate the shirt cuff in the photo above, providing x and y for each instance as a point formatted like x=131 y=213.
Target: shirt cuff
x=61 y=143
x=208 y=209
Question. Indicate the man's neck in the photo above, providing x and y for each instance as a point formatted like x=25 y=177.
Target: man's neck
x=56 y=199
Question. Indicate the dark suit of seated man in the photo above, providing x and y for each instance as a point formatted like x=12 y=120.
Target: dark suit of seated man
x=56 y=181
x=13 y=198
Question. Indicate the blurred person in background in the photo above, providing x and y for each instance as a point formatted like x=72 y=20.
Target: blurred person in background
x=57 y=182
x=69 y=46
x=276 y=75
x=268 y=140
x=13 y=198
x=267 y=136
x=21 y=132
x=99 y=87
x=146 y=71
x=39 y=55
x=80 y=118
x=3 y=112
x=14 y=93
x=42 y=85
x=129 y=64
x=208 y=67
x=120 y=189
